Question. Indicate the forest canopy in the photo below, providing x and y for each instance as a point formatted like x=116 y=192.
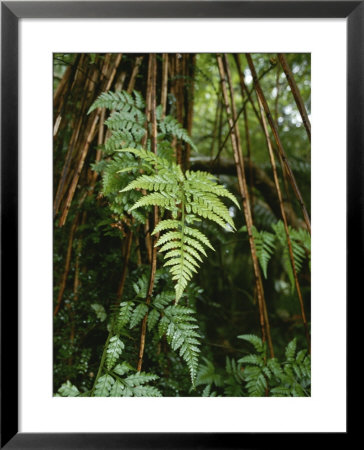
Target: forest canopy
x=182 y=236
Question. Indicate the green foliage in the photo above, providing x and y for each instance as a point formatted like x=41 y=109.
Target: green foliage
x=169 y=125
x=179 y=325
x=100 y=311
x=266 y=243
x=264 y=246
x=68 y=390
x=301 y=248
x=218 y=295
x=291 y=378
x=255 y=375
x=113 y=352
x=189 y=197
x=103 y=386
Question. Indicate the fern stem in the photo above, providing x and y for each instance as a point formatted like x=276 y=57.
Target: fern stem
x=236 y=144
x=102 y=362
x=289 y=242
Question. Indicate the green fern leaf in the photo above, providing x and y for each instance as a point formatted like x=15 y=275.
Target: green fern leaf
x=124 y=316
x=255 y=341
x=291 y=350
x=117 y=389
x=140 y=378
x=68 y=390
x=138 y=315
x=113 y=352
x=146 y=391
x=182 y=335
x=252 y=359
x=122 y=369
x=153 y=318
x=103 y=386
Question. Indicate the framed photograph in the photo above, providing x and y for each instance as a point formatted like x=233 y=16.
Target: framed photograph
x=162 y=167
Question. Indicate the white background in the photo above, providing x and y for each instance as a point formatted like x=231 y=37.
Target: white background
x=326 y=409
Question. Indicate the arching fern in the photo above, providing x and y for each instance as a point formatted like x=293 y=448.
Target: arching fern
x=189 y=197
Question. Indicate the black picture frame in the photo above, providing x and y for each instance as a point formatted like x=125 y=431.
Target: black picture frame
x=11 y=12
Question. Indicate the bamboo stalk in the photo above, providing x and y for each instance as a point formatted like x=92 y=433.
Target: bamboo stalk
x=235 y=141
x=244 y=90
x=66 y=266
x=216 y=124
x=289 y=242
x=61 y=188
x=137 y=64
x=153 y=268
x=296 y=93
x=129 y=239
x=274 y=129
x=90 y=135
x=164 y=89
x=189 y=103
x=179 y=104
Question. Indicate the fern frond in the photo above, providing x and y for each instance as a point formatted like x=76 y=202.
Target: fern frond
x=256 y=383
x=68 y=390
x=122 y=369
x=207 y=375
x=153 y=318
x=252 y=359
x=212 y=208
x=103 y=386
x=255 y=341
x=168 y=224
x=198 y=235
x=150 y=157
x=198 y=181
x=146 y=391
x=171 y=126
x=188 y=197
x=140 y=378
x=264 y=245
x=138 y=315
x=291 y=350
x=298 y=249
x=113 y=352
x=156 y=199
x=117 y=389
x=115 y=100
x=120 y=140
x=133 y=122
x=124 y=315
x=182 y=335
x=157 y=182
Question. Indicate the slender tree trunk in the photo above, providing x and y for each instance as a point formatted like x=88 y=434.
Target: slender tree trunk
x=108 y=78
x=278 y=141
x=66 y=266
x=153 y=267
x=164 y=89
x=129 y=240
x=235 y=141
x=296 y=93
x=276 y=182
